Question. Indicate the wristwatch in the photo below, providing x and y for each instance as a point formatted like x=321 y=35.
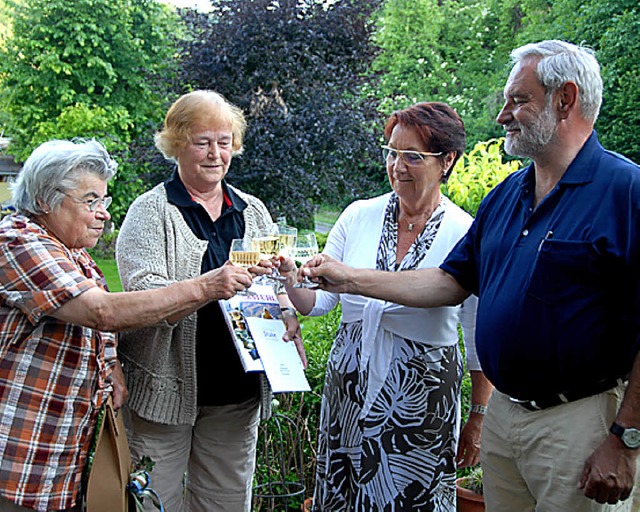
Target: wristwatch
x=630 y=436
x=478 y=408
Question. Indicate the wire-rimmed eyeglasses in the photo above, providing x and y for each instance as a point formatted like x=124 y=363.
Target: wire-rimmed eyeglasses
x=390 y=155
x=92 y=204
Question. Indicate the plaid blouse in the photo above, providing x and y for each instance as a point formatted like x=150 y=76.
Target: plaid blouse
x=54 y=376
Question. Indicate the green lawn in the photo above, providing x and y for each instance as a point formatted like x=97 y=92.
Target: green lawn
x=110 y=271
x=327 y=215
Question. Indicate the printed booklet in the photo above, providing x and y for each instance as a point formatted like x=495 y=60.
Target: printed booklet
x=257 y=326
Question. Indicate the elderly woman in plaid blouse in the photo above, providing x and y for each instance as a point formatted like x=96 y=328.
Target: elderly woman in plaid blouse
x=57 y=348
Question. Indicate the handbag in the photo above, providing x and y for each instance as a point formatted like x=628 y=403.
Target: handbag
x=107 y=485
x=113 y=485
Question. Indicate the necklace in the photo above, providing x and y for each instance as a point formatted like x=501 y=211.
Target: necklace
x=423 y=217
x=417 y=223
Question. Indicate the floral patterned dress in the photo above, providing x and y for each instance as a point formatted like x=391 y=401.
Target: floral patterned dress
x=400 y=456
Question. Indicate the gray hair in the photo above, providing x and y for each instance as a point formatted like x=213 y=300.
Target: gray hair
x=562 y=62
x=55 y=167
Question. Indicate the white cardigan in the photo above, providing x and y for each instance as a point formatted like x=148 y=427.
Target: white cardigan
x=354 y=240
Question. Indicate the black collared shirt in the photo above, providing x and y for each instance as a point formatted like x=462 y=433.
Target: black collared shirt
x=221 y=378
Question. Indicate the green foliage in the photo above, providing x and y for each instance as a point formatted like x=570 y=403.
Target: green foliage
x=303 y=409
x=457 y=51
x=79 y=119
x=473 y=480
x=476 y=173
x=88 y=68
x=617 y=45
x=408 y=33
x=612 y=29
x=295 y=68
x=5 y=22
x=445 y=50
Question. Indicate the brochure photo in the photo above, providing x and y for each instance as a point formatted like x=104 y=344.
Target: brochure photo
x=235 y=310
x=257 y=326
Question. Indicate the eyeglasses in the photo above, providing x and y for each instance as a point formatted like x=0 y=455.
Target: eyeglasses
x=410 y=157
x=93 y=204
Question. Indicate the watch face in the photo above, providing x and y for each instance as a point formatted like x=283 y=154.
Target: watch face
x=631 y=438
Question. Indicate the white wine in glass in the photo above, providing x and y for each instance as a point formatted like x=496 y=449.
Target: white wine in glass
x=267 y=243
x=242 y=254
x=305 y=249
x=288 y=238
x=267 y=246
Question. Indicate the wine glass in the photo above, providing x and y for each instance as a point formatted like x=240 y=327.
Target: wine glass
x=306 y=248
x=288 y=238
x=242 y=254
x=267 y=243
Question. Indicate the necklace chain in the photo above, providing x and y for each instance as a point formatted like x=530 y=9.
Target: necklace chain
x=427 y=215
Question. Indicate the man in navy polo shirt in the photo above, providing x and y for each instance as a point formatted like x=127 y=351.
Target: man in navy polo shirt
x=554 y=256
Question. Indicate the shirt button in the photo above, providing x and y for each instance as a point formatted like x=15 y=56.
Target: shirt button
x=525 y=232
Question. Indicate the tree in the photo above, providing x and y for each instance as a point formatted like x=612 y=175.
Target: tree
x=87 y=68
x=442 y=50
x=612 y=29
x=295 y=68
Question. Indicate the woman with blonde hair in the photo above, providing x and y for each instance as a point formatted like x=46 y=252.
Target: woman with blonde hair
x=193 y=408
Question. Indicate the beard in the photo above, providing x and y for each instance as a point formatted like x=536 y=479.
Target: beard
x=533 y=137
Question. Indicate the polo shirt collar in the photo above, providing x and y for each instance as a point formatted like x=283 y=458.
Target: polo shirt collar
x=581 y=170
x=178 y=195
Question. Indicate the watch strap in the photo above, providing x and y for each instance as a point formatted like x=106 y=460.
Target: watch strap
x=478 y=409
x=616 y=430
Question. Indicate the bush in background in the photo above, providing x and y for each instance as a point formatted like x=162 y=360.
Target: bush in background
x=476 y=173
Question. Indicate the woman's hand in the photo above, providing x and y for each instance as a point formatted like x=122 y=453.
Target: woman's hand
x=287 y=268
x=293 y=333
x=120 y=391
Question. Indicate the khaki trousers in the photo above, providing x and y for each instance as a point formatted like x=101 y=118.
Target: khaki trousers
x=533 y=460
x=207 y=467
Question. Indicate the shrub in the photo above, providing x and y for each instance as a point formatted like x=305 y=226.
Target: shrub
x=303 y=409
x=476 y=173
x=473 y=481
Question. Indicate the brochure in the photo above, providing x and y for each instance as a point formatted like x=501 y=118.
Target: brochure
x=256 y=325
x=280 y=358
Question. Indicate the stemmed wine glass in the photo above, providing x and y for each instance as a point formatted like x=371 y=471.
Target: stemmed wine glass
x=288 y=238
x=267 y=243
x=242 y=254
x=306 y=248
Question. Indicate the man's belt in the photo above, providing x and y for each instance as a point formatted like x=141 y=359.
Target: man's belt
x=569 y=396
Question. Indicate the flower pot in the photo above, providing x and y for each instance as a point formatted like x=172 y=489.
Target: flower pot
x=307 y=505
x=468 y=501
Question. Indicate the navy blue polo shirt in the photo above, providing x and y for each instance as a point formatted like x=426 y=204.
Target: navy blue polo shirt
x=221 y=378
x=558 y=285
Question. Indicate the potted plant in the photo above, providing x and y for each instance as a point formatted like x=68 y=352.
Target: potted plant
x=469 y=492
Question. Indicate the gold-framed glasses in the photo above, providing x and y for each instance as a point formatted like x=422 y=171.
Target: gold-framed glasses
x=92 y=204
x=391 y=155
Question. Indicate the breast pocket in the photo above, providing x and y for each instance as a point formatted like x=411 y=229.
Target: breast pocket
x=565 y=270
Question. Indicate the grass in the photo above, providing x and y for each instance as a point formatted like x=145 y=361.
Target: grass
x=327 y=215
x=110 y=271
